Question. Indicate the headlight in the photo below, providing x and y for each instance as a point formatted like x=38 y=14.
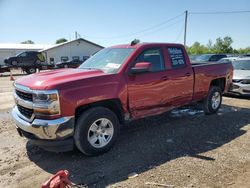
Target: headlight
x=46 y=103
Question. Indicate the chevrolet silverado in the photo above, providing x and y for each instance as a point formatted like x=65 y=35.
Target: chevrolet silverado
x=85 y=107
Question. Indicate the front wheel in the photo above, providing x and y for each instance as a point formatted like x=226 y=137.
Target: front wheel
x=14 y=63
x=96 y=131
x=213 y=100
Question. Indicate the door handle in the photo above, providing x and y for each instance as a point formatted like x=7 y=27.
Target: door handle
x=188 y=74
x=164 y=78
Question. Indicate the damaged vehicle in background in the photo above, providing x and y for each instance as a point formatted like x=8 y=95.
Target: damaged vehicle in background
x=241 y=77
x=74 y=63
x=227 y=60
x=69 y=64
x=28 y=61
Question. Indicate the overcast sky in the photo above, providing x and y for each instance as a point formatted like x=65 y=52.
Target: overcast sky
x=109 y=22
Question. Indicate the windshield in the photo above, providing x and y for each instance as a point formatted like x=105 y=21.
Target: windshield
x=22 y=54
x=203 y=58
x=241 y=65
x=109 y=60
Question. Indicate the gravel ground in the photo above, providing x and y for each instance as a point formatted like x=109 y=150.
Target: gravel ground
x=182 y=148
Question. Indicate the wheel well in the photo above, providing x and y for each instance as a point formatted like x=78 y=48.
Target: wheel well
x=219 y=82
x=112 y=104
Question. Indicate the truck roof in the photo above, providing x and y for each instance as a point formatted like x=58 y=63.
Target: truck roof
x=144 y=44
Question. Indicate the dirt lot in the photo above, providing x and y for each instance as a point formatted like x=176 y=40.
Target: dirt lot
x=183 y=148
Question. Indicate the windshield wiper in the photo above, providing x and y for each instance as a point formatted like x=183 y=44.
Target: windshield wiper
x=91 y=68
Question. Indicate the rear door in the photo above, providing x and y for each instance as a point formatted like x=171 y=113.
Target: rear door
x=180 y=76
x=32 y=58
x=146 y=90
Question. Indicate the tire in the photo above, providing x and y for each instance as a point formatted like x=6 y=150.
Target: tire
x=14 y=63
x=213 y=100
x=89 y=138
x=38 y=61
x=30 y=70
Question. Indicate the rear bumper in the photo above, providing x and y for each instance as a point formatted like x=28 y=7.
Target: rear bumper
x=47 y=134
x=4 y=69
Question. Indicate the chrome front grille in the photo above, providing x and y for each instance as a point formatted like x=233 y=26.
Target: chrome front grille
x=25 y=111
x=24 y=101
x=24 y=95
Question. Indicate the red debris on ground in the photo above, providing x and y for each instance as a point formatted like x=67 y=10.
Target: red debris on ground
x=59 y=180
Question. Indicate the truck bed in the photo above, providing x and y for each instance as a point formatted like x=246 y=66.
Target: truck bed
x=204 y=63
x=207 y=71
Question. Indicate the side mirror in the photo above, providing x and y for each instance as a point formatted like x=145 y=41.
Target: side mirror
x=140 y=67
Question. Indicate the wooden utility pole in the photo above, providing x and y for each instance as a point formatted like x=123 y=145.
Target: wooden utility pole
x=76 y=34
x=185 y=31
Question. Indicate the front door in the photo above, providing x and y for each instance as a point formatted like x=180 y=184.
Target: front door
x=146 y=90
x=24 y=59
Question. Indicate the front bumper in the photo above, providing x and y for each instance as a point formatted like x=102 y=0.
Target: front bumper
x=52 y=135
x=239 y=89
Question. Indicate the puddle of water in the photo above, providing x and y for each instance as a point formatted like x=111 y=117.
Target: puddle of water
x=185 y=112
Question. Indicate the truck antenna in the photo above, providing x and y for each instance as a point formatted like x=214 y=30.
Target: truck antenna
x=134 y=42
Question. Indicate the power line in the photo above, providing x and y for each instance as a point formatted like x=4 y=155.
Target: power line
x=207 y=13
x=225 y=12
x=138 y=32
x=161 y=25
x=160 y=29
x=179 y=34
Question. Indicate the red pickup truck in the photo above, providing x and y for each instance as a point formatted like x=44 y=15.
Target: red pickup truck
x=85 y=107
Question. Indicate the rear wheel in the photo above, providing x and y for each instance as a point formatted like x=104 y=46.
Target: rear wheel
x=30 y=70
x=38 y=61
x=96 y=131
x=213 y=100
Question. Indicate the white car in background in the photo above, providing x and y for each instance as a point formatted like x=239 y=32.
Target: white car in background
x=241 y=77
x=228 y=59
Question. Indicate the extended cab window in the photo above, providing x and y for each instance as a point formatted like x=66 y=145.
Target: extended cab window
x=154 y=56
x=177 y=57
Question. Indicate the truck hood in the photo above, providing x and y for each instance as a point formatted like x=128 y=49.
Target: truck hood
x=50 y=79
x=241 y=74
x=9 y=59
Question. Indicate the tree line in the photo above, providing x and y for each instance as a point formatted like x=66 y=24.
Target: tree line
x=221 y=46
x=58 y=41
